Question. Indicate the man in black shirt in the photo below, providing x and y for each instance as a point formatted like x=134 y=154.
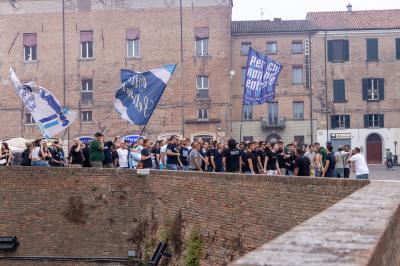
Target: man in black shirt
x=261 y=156
x=302 y=164
x=250 y=162
x=290 y=158
x=231 y=160
x=210 y=154
x=184 y=151
x=281 y=157
x=271 y=161
x=172 y=154
x=57 y=154
x=108 y=161
x=146 y=155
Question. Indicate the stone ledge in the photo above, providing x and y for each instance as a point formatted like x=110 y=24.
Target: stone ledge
x=359 y=230
x=95 y=172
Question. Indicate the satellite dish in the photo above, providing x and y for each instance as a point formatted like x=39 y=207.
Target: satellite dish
x=232 y=73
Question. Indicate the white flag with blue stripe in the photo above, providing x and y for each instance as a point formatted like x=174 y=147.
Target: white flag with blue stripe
x=47 y=112
x=140 y=92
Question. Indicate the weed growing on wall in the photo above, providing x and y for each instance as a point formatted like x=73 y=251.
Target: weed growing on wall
x=194 y=248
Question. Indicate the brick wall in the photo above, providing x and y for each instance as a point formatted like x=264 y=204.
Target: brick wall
x=235 y=214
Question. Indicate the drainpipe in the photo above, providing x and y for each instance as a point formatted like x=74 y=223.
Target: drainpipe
x=181 y=68
x=310 y=92
x=64 y=65
x=326 y=90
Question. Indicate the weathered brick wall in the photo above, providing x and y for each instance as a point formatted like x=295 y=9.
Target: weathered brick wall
x=235 y=214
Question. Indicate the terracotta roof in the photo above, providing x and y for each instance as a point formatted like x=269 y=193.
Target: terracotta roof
x=265 y=26
x=356 y=20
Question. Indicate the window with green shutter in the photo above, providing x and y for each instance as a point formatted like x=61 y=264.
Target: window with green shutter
x=339 y=91
x=340 y=121
x=338 y=50
x=374 y=120
x=372 y=49
x=373 y=89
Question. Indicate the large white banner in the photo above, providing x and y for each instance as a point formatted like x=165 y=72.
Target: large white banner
x=47 y=112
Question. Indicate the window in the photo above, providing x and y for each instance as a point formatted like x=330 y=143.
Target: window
x=86 y=89
x=373 y=89
x=298 y=139
x=272 y=48
x=133 y=43
x=373 y=120
x=202 y=87
x=338 y=50
x=340 y=121
x=202 y=114
x=244 y=48
x=297 y=47
x=86 y=116
x=244 y=72
x=339 y=91
x=297 y=75
x=86 y=44
x=201 y=35
x=298 y=110
x=30 y=46
x=133 y=47
x=273 y=113
x=372 y=49
x=398 y=48
x=29 y=119
x=247 y=112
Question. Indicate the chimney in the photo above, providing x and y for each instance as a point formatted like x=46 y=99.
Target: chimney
x=277 y=19
x=349 y=8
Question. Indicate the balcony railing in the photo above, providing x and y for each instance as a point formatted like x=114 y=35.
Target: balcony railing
x=273 y=122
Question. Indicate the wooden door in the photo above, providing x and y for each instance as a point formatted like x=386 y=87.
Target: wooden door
x=374 y=149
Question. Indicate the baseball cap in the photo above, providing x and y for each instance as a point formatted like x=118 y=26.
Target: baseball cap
x=98 y=134
x=329 y=143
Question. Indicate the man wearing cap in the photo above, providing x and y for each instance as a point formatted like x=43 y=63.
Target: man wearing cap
x=96 y=153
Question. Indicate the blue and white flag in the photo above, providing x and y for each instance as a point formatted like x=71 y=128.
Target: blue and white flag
x=47 y=112
x=261 y=77
x=140 y=92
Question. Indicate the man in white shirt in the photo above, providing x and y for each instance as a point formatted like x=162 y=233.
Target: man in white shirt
x=359 y=165
x=163 y=153
x=123 y=155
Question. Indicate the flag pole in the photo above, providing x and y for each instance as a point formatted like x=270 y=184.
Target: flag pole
x=241 y=122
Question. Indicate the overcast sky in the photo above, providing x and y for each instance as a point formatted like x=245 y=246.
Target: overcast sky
x=297 y=9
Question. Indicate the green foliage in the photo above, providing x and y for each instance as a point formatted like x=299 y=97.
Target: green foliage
x=194 y=248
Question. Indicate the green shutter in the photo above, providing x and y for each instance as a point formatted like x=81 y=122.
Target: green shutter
x=372 y=49
x=365 y=89
x=330 y=51
x=347 y=122
x=333 y=121
x=366 y=119
x=339 y=91
x=381 y=121
x=398 y=48
x=346 y=52
x=381 y=86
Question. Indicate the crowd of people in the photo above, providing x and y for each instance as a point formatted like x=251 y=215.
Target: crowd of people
x=175 y=154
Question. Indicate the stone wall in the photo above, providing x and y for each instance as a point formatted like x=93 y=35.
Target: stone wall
x=362 y=229
x=89 y=212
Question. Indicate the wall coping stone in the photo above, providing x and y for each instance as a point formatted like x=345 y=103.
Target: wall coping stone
x=346 y=234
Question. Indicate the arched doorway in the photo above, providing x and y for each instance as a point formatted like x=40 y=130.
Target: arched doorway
x=374 y=149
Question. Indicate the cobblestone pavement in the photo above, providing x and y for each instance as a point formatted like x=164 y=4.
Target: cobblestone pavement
x=379 y=172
